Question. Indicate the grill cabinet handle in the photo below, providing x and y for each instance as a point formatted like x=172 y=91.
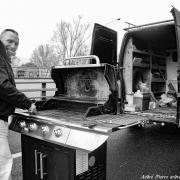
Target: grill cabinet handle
x=35 y=161
x=42 y=156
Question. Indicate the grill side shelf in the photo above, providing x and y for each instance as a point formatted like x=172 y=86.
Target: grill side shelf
x=117 y=122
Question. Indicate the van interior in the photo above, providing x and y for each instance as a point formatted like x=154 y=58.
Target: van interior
x=150 y=70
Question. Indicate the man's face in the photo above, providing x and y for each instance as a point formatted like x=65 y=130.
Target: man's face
x=11 y=42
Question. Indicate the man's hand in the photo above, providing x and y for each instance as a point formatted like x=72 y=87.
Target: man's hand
x=32 y=109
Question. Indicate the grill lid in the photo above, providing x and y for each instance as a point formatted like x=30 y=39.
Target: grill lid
x=95 y=84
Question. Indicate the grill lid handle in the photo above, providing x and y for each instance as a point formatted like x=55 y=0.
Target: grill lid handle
x=81 y=60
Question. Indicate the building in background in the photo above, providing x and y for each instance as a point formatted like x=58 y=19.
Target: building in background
x=31 y=72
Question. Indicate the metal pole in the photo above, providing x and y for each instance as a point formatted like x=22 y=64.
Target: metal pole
x=43 y=93
x=113 y=21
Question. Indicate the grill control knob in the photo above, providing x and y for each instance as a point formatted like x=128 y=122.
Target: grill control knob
x=45 y=129
x=26 y=129
x=22 y=124
x=33 y=127
x=58 y=132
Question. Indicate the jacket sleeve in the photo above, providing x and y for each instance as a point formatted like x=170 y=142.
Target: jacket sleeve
x=9 y=93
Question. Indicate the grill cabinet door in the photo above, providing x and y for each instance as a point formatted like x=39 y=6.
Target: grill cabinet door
x=176 y=15
x=43 y=160
x=58 y=163
x=29 y=159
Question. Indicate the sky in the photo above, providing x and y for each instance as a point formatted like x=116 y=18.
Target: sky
x=36 y=20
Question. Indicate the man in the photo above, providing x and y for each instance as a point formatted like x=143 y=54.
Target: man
x=10 y=98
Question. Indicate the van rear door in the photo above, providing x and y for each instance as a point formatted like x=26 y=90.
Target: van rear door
x=176 y=15
x=104 y=44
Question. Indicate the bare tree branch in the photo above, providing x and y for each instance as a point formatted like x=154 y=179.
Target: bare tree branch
x=71 y=38
x=44 y=56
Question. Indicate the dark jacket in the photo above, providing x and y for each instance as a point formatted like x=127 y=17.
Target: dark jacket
x=10 y=97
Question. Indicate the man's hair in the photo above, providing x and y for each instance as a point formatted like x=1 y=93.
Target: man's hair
x=11 y=30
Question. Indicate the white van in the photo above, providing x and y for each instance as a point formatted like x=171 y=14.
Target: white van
x=148 y=71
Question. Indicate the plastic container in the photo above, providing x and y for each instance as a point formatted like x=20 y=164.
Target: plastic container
x=141 y=100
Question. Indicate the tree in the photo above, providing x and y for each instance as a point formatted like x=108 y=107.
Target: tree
x=70 y=39
x=44 y=56
x=29 y=64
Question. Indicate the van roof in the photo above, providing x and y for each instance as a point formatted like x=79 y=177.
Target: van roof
x=159 y=23
x=159 y=34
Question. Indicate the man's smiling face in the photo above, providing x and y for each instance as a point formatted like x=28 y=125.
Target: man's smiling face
x=10 y=41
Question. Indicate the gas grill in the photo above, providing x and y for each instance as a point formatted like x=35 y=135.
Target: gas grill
x=66 y=138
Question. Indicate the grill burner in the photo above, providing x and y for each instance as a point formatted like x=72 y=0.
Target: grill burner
x=59 y=116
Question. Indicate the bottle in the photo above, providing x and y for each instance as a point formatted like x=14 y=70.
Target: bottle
x=138 y=93
x=138 y=100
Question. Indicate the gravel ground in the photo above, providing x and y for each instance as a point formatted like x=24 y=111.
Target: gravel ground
x=132 y=154
x=15 y=146
x=17 y=169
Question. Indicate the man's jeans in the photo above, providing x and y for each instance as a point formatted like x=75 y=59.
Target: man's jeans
x=5 y=154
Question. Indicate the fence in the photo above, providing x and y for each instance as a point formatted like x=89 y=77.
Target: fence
x=36 y=88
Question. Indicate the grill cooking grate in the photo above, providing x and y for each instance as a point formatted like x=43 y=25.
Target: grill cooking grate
x=63 y=114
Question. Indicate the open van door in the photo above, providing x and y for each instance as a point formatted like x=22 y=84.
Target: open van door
x=104 y=44
x=176 y=15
